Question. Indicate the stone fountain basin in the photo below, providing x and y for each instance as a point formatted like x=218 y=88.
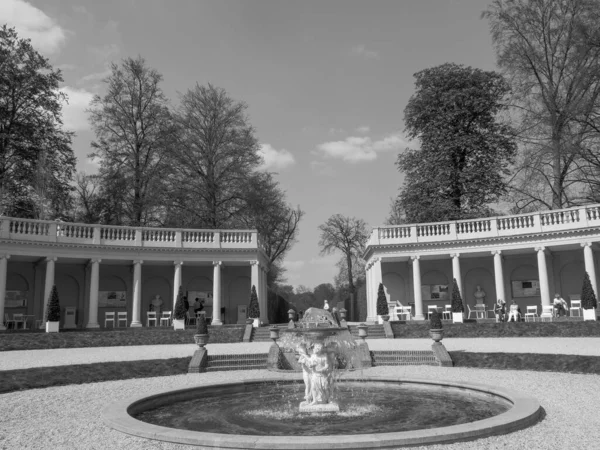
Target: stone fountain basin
x=525 y=411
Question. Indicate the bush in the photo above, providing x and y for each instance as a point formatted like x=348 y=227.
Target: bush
x=435 y=322
x=253 y=308
x=53 y=310
x=180 y=311
x=201 y=326
x=457 y=302
x=588 y=297
x=382 y=306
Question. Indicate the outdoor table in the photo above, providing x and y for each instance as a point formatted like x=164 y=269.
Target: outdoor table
x=480 y=309
x=26 y=317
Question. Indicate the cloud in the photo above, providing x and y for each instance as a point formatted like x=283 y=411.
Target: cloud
x=104 y=53
x=334 y=131
x=275 y=159
x=355 y=149
x=363 y=51
x=96 y=76
x=293 y=265
x=363 y=129
x=320 y=168
x=74 y=115
x=30 y=22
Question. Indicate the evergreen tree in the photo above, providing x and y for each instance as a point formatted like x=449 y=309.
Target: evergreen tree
x=588 y=296
x=253 y=308
x=180 y=310
x=457 y=302
x=382 y=306
x=53 y=311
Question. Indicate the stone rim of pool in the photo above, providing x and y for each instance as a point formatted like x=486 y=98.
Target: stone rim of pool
x=525 y=411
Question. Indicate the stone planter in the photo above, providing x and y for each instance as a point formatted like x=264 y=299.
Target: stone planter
x=179 y=324
x=589 y=314
x=383 y=318
x=363 y=331
x=458 y=317
x=52 y=327
x=201 y=339
x=437 y=334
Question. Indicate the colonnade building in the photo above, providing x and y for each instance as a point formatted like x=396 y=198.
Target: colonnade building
x=525 y=257
x=99 y=269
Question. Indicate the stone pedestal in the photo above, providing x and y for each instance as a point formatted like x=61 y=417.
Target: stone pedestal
x=319 y=408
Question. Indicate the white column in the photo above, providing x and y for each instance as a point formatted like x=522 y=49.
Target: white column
x=456 y=272
x=417 y=288
x=176 y=282
x=588 y=256
x=3 y=269
x=376 y=278
x=499 y=276
x=94 y=285
x=543 y=274
x=263 y=296
x=136 y=309
x=48 y=285
x=216 y=319
x=369 y=287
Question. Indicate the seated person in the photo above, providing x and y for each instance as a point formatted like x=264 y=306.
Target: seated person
x=198 y=306
x=500 y=309
x=514 y=312
x=560 y=305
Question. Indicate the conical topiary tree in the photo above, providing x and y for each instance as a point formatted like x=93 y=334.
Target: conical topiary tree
x=180 y=311
x=435 y=321
x=382 y=306
x=457 y=302
x=53 y=309
x=201 y=326
x=588 y=296
x=253 y=308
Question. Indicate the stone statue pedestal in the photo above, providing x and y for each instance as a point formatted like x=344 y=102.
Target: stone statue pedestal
x=319 y=408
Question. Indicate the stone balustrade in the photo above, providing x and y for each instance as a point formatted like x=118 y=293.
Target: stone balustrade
x=120 y=236
x=521 y=224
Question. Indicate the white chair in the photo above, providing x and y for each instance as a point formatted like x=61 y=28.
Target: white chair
x=392 y=311
x=547 y=313
x=471 y=311
x=189 y=318
x=531 y=313
x=8 y=321
x=19 y=319
x=431 y=309
x=481 y=311
x=165 y=317
x=122 y=317
x=151 y=317
x=404 y=312
x=576 y=307
x=109 y=317
x=513 y=312
x=447 y=312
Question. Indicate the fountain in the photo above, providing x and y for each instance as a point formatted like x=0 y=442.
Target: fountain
x=334 y=408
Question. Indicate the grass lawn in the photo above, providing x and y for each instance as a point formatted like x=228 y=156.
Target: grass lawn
x=36 y=339
x=528 y=361
x=503 y=329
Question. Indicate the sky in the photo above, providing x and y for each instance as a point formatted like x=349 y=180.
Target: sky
x=326 y=83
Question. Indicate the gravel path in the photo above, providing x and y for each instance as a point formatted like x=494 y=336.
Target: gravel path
x=69 y=417
x=66 y=356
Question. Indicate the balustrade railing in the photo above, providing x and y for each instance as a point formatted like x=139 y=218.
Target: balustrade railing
x=544 y=221
x=65 y=232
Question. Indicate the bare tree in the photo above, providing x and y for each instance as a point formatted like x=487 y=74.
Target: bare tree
x=545 y=48
x=347 y=235
x=134 y=130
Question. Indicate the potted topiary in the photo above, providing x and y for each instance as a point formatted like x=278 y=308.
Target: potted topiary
x=588 y=299
x=201 y=336
x=254 y=308
x=457 y=304
x=383 y=312
x=179 y=315
x=435 y=327
x=53 y=312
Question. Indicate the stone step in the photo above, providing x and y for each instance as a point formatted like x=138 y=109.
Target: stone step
x=237 y=361
x=224 y=368
x=404 y=358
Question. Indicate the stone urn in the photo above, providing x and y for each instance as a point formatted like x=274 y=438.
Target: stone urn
x=437 y=334
x=201 y=339
x=363 y=331
x=385 y=317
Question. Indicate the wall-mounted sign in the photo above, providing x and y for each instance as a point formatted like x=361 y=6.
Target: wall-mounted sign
x=15 y=299
x=434 y=291
x=115 y=299
x=526 y=288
